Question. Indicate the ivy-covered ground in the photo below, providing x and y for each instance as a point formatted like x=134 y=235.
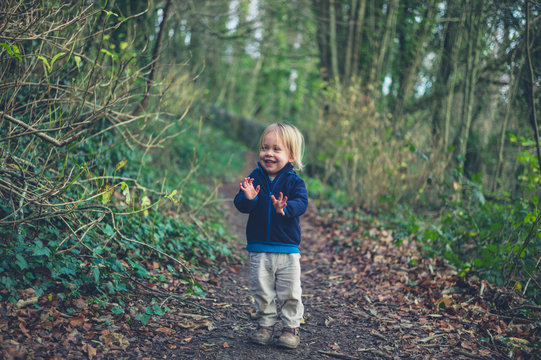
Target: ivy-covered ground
x=364 y=299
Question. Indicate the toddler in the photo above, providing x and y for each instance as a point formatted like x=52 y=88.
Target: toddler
x=275 y=197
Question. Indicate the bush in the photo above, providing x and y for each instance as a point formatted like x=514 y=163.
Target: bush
x=358 y=150
x=84 y=206
x=498 y=239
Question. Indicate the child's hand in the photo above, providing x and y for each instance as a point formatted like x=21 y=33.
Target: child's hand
x=248 y=187
x=279 y=204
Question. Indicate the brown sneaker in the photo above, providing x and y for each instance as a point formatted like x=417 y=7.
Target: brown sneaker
x=290 y=338
x=263 y=335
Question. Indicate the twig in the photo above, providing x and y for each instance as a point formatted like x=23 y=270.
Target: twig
x=468 y=354
x=38 y=133
x=531 y=277
x=338 y=355
x=165 y=294
x=183 y=264
x=377 y=352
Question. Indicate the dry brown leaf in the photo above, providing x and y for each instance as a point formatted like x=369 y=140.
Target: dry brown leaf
x=25 y=302
x=188 y=339
x=112 y=339
x=22 y=326
x=89 y=350
x=445 y=302
x=77 y=321
x=429 y=338
x=165 y=330
x=80 y=303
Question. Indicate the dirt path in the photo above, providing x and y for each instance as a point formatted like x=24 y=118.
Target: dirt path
x=327 y=324
x=353 y=307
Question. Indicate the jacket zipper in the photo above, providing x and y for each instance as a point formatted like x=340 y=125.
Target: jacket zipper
x=270 y=201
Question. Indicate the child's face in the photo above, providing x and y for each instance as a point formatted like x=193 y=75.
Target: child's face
x=273 y=154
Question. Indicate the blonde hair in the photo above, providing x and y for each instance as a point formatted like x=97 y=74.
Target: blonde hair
x=292 y=138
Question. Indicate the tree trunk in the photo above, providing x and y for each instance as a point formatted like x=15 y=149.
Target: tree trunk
x=359 y=21
x=335 y=75
x=514 y=81
x=474 y=19
x=351 y=36
x=411 y=70
x=321 y=9
x=155 y=55
x=384 y=52
x=445 y=84
x=530 y=90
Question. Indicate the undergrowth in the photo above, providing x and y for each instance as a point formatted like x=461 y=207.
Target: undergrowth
x=171 y=215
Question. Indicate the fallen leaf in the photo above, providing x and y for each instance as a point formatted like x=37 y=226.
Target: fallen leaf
x=89 y=350
x=444 y=302
x=77 y=321
x=165 y=330
x=112 y=339
x=23 y=303
x=80 y=303
x=328 y=321
x=429 y=338
x=24 y=329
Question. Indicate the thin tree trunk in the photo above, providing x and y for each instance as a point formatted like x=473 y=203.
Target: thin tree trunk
x=351 y=36
x=531 y=90
x=445 y=83
x=155 y=55
x=374 y=41
x=474 y=22
x=451 y=82
x=501 y=145
x=357 y=39
x=332 y=42
x=408 y=80
x=384 y=48
x=321 y=9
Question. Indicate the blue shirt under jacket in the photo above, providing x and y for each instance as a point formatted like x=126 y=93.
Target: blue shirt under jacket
x=268 y=231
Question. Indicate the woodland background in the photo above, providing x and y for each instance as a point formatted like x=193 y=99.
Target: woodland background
x=119 y=121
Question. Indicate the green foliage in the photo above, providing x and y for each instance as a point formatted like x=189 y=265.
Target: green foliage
x=46 y=256
x=498 y=239
x=149 y=311
x=100 y=195
x=356 y=150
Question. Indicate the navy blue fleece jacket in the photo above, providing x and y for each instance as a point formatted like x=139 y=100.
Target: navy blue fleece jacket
x=268 y=231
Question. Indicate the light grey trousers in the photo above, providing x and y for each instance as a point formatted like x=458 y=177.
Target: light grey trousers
x=276 y=277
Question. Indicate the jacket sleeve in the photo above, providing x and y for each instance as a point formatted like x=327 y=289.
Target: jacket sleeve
x=298 y=203
x=243 y=204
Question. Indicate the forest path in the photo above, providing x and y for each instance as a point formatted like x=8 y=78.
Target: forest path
x=365 y=297
x=356 y=306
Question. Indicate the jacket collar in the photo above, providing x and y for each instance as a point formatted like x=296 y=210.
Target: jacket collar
x=288 y=167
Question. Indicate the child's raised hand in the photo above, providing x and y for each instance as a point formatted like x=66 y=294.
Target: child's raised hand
x=279 y=204
x=247 y=186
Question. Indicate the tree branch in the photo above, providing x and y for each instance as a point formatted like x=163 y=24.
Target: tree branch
x=155 y=55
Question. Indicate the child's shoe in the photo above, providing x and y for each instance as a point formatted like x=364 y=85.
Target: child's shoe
x=290 y=338
x=263 y=335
